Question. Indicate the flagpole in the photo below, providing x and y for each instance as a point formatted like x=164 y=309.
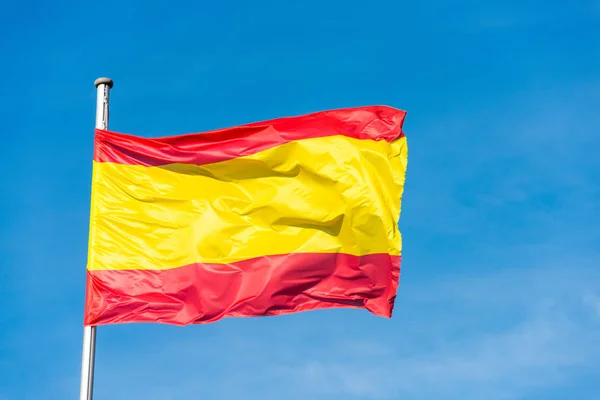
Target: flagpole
x=103 y=86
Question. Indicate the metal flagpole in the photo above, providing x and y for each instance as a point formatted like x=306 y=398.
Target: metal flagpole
x=103 y=86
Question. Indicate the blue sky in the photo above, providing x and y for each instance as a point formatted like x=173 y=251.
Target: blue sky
x=500 y=286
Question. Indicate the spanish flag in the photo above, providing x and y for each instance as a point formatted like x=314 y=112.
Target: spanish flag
x=269 y=218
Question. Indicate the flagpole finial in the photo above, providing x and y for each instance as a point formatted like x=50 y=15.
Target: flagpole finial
x=104 y=81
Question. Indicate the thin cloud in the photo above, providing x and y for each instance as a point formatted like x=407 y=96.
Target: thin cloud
x=540 y=341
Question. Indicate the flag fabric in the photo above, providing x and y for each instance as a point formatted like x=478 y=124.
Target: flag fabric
x=270 y=218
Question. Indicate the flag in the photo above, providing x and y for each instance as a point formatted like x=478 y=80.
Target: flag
x=269 y=218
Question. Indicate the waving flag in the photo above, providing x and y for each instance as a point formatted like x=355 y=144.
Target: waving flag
x=269 y=218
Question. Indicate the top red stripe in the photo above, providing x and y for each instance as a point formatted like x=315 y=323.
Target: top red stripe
x=372 y=122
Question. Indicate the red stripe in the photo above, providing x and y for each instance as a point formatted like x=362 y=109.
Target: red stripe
x=270 y=285
x=374 y=122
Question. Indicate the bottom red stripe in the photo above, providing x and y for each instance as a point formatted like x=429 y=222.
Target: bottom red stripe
x=270 y=285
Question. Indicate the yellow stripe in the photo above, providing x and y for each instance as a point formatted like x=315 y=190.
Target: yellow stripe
x=330 y=194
